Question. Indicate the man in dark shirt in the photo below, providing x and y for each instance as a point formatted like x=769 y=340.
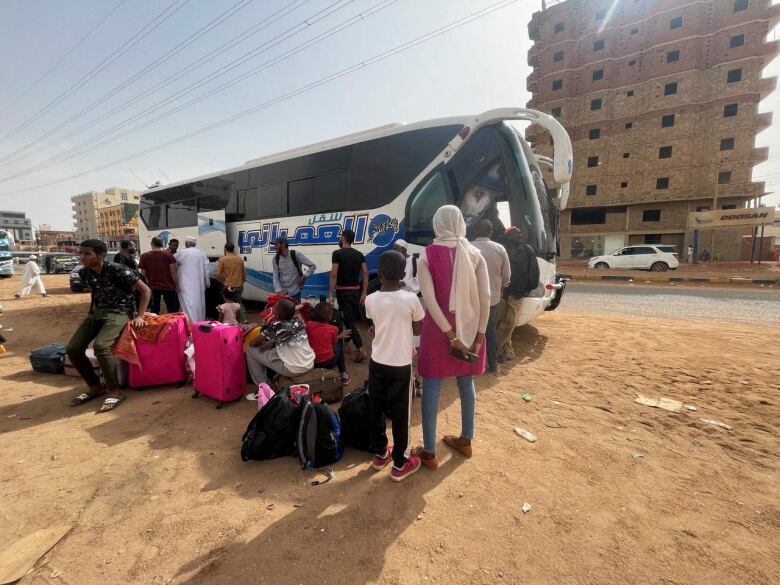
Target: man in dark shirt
x=347 y=268
x=159 y=269
x=113 y=303
x=126 y=255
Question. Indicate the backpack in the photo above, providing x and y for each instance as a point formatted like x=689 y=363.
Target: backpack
x=319 y=435
x=414 y=265
x=271 y=433
x=354 y=418
x=294 y=259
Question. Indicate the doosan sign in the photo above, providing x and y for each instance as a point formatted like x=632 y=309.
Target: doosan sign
x=723 y=218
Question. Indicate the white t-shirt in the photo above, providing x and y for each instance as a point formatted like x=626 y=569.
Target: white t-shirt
x=393 y=314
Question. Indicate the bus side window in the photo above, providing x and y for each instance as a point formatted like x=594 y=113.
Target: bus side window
x=429 y=196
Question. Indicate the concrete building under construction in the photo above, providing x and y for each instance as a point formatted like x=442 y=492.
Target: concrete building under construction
x=661 y=100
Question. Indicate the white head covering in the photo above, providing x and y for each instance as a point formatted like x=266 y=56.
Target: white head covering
x=401 y=244
x=33 y=257
x=190 y=240
x=449 y=226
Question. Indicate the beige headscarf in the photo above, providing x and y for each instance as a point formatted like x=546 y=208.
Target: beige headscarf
x=449 y=226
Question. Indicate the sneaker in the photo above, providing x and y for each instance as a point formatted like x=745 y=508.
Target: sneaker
x=345 y=379
x=379 y=462
x=411 y=466
x=252 y=396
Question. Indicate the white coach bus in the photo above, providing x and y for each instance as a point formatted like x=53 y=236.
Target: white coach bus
x=384 y=184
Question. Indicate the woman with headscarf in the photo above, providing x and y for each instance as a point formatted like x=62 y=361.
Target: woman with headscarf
x=454 y=283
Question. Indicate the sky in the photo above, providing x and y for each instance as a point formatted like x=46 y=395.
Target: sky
x=67 y=64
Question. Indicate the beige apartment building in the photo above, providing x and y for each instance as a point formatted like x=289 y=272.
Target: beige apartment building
x=117 y=220
x=86 y=206
x=661 y=99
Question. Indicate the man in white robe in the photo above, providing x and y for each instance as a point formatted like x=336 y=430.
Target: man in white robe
x=31 y=277
x=193 y=280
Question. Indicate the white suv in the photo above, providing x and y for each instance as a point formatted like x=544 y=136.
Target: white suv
x=644 y=257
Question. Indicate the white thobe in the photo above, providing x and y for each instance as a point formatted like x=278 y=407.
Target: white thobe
x=193 y=275
x=31 y=277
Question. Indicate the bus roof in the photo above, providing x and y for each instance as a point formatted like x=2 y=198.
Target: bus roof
x=361 y=136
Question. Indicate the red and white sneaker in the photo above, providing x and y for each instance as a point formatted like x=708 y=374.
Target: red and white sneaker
x=345 y=379
x=379 y=462
x=411 y=466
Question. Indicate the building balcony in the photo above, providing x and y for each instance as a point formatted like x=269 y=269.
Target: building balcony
x=766 y=86
x=759 y=155
x=763 y=121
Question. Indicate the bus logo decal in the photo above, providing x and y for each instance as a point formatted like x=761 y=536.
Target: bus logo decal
x=382 y=230
x=313 y=234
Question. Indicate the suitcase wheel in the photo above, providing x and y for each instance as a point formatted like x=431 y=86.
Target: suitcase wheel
x=195 y=394
x=220 y=405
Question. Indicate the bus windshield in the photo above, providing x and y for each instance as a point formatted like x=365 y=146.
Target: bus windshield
x=492 y=179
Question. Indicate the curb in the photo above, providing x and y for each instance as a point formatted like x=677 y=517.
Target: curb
x=674 y=279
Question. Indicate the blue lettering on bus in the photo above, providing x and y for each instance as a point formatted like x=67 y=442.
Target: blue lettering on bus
x=313 y=234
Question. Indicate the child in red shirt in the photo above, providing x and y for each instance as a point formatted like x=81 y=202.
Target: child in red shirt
x=326 y=340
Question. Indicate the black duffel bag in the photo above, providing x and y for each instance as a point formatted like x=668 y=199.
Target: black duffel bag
x=272 y=432
x=354 y=418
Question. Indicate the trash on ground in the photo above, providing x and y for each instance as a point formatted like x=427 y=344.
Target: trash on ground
x=717 y=423
x=664 y=403
x=637 y=455
x=526 y=507
x=527 y=435
x=691 y=407
x=21 y=557
x=526 y=396
x=706 y=382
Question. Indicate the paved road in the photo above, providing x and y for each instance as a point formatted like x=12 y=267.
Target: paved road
x=742 y=304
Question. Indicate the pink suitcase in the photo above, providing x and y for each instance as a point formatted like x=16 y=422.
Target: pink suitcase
x=163 y=362
x=220 y=369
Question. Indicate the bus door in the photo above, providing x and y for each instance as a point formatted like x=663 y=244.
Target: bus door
x=211 y=233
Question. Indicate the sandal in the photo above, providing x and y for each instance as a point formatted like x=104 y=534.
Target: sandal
x=85 y=397
x=111 y=403
x=459 y=444
x=427 y=459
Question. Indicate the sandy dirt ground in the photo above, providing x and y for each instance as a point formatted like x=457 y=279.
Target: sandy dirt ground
x=620 y=493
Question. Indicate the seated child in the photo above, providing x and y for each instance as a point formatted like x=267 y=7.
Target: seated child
x=230 y=309
x=282 y=347
x=397 y=316
x=326 y=341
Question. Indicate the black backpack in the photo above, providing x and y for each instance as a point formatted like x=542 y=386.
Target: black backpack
x=354 y=418
x=272 y=431
x=319 y=435
x=294 y=259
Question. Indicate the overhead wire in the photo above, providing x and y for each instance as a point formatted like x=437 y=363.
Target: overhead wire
x=138 y=75
x=91 y=144
x=64 y=56
x=146 y=30
x=200 y=62
x=288 y=95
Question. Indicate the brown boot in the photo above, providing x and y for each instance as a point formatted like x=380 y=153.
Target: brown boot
x=428 y=459
x=461 y=445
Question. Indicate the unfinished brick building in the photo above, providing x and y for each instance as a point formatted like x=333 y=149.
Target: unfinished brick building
x=661 y=100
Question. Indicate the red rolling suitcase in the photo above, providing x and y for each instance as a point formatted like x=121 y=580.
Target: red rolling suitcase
x=220 y=370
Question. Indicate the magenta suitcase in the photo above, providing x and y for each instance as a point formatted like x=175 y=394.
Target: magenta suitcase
x=220 y=369
x=163 y=362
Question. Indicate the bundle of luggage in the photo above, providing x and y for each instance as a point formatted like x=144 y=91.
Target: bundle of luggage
x=295 y=422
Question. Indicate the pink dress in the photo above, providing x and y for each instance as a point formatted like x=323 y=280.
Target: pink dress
x=434 y=359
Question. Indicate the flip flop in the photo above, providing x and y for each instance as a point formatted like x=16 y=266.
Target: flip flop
x=85 y=397
x=111 y=403
x=454 y=443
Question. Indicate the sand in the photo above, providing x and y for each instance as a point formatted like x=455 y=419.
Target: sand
x=620 y=492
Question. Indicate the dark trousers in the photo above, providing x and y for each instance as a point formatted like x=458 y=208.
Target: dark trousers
x=171 y=301
x=491 y=339
x=102 y=326
x=349 y=305
x=337 y=360
x=389 y=395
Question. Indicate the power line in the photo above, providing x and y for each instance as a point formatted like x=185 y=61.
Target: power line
x=64 y=56
x=303 y=89
x=210 y=56
x=90 y=144
x=156 y=63
x=147 y=29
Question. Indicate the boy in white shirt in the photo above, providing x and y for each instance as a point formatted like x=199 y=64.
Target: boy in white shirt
x=397 y=316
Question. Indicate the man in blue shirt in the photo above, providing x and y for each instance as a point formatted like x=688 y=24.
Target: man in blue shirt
x=289 y=275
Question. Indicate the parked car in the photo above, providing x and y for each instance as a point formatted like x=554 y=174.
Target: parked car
x=58 y=262
x=668 y=248
x=76 y=284
x=644 y=257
